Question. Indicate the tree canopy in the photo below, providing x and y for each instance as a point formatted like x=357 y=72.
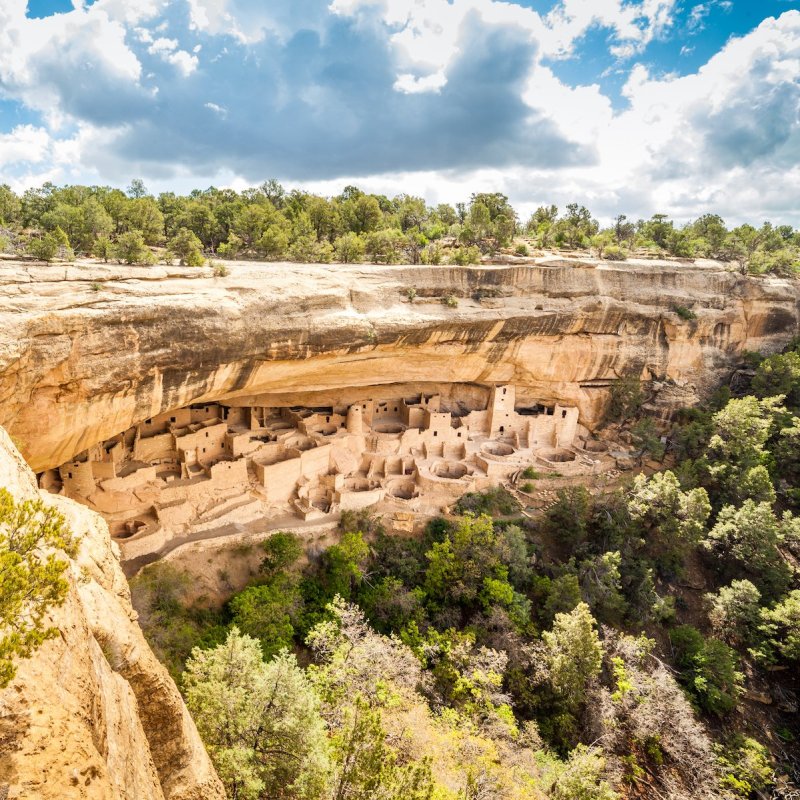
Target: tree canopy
x=274 y=223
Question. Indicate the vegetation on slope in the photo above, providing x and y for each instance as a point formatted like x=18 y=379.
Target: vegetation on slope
x=32 y=578
x=274 y=224
x=609 y=649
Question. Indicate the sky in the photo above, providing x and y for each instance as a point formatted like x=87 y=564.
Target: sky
x=626 y=106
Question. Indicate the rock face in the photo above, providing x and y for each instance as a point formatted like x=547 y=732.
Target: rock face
x=89 y=351
x=93 y=714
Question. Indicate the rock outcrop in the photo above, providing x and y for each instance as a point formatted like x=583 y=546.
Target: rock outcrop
x=87 y=351
x=93 y=714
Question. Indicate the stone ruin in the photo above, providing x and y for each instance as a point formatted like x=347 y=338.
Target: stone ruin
x=200 y=467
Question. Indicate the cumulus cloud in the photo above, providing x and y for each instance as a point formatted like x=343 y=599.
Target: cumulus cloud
x=633 y=25
x=62 y=64
x=169 y=51
x=428 y=96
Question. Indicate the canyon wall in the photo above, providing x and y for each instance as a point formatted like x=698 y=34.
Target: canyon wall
x=93 y=714
x=87 y=351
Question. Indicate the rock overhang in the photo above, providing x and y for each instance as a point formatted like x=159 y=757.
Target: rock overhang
x=79 y=364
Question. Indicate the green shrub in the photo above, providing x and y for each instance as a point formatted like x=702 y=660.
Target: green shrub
x=780 y=627
x=230 y=248
x=567 y=520
x=282 y=550
x=349 y=248
x=103 y=248
x=625 y=398
x=32 y=578
x=614 y=253
x=451 y=301
x=187 y=248
x=432 y=254
x=685 y=313
x=708 y=670
x=172 y=626
x=268 y=613
x=43 y=248
x=646 y=436
x=464 y=256
x=580 y=777
x=779 y=374
x=495 y=502
x=363 y=520
x=522 y=250
x=131 y=249
x=746 y=765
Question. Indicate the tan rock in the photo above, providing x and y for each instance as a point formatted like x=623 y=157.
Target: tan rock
x=93 y=714
x=78 y=366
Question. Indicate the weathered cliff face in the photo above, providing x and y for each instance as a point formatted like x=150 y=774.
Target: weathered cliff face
x=93 y=714
x=88 y=351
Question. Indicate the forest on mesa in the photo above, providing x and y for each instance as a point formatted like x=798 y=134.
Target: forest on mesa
x=642 y=643
x=271 y=223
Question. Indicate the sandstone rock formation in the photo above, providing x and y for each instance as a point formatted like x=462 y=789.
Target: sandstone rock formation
x=88 y=351
x=93 y=714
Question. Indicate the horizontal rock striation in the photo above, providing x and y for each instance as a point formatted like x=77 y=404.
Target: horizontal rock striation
x=87 y=351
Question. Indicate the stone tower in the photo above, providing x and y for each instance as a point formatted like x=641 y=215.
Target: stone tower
x=354 y=421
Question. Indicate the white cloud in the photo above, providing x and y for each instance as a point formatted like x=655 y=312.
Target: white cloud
x=163 y=45
x=167 y=49
x=634 y=26
x=250 y=21
x=427 y=96
x=25 y=143
x=184 y=62
x=41 y=58
x=220 y=111
x=410 y=84
x=699 y=13
x=426 y=33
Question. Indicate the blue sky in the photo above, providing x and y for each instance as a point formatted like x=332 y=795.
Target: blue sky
x=629 y=106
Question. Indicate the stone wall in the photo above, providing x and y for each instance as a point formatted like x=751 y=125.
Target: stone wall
x=96 y=363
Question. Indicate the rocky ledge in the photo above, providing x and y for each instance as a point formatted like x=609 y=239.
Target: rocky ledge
x=93 y=714
x=88 y=350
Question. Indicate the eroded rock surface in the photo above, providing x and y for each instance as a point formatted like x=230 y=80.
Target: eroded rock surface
x=93 y=714
x=87 y=351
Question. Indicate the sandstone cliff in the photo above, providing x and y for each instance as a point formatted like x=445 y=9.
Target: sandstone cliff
x=87 y=351
x=93 y=714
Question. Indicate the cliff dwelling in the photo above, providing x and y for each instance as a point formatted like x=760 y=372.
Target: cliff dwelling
x=198 y=467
